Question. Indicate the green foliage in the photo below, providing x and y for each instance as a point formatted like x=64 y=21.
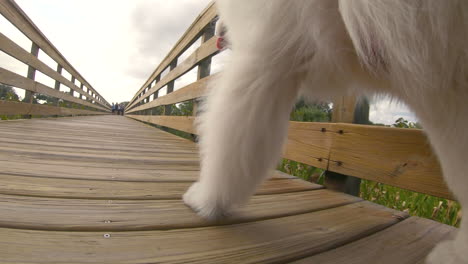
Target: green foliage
x=182 y=109
x=304 y=171
x=417 y=204
x=7 y=93
x=49 y=100
x=311 y=112
x=403 y=123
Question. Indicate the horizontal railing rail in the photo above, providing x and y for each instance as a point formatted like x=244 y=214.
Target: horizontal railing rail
x=88 y=97
x=398 y=157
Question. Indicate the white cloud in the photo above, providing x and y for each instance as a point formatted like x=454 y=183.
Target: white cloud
x=386 y=111
x=114 y=44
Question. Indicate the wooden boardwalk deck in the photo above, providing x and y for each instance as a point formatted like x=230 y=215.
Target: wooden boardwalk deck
x=107 y=189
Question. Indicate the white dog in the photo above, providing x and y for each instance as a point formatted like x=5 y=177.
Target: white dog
x=413 y=50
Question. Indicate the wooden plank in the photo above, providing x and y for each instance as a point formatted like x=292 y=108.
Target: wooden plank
x=10 y=78
x=269 y=241
x=182 y=123
x=398 y=157
x=98 y=215
x=343 y=109
x=184 y=42
x=407 y=242
x=28 y=96
x=309 y=143
x=12 y=49
x=19 y=108
x=13 y=13
x=191 y=91
x=205 y=50
x=117 y=190
x=46 y=168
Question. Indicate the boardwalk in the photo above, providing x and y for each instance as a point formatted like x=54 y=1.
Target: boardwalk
x=107 y=189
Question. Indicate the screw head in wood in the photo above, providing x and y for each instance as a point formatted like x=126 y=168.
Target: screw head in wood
x=107 y=235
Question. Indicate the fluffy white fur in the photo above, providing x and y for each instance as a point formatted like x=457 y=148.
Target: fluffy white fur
x=412 y=50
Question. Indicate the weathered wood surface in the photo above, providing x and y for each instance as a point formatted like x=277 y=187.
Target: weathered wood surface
x=404 y=243
x=206 y=49
x=19 y=108
x=182 y=123
x=19 y=53
x=191 y=91
x=16 y=80
x=107 y=189
x=398 y=157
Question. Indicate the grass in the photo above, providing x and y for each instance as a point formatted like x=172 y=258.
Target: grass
x=303 y=171
x=416 y=204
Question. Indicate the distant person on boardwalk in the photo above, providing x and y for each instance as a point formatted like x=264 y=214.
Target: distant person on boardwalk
x=120 y=110
x=114 y=106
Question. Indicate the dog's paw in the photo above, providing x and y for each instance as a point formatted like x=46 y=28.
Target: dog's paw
x=446 y=253
x=207 y=207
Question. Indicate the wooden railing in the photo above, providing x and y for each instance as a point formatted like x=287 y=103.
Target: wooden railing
x=88 y=102
x=398 y=157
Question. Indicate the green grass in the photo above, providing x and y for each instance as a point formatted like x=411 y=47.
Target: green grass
x=416 y=204
x=303 y=171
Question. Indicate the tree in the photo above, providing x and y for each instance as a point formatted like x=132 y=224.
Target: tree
x=308 y=112
x=7 y=93
x=48 y=99
x=403 y=123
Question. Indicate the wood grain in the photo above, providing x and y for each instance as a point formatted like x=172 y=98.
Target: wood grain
x=191 y=91
x=398 y=157
x=119 y=215
x=182 y=123
x=10 y=78
x=108 y=189
x=11 y=48
x=18 y=108
x=205 y=50
x=407 y=242
x=269 y=241
x=118 y=190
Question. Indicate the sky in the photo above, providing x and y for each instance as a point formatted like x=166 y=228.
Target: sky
x=117 y=44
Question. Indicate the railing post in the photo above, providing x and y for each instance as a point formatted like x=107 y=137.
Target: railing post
x=82 y=88
x=57 y=83
x=155 y=94
x=204 y=67
x=28 y=95
x=170 y=88
x=348 y=109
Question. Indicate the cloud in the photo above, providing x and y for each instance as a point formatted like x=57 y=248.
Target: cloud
x=157 y=27
x=115 y=45
x=386 y=111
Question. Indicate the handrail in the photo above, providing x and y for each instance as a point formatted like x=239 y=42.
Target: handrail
x=194 y=31
x=92 y=99
x=398 y=157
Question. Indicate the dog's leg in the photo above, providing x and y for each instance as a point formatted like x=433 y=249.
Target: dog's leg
x=421 y=47
x=452 y=152
x=242 y=131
